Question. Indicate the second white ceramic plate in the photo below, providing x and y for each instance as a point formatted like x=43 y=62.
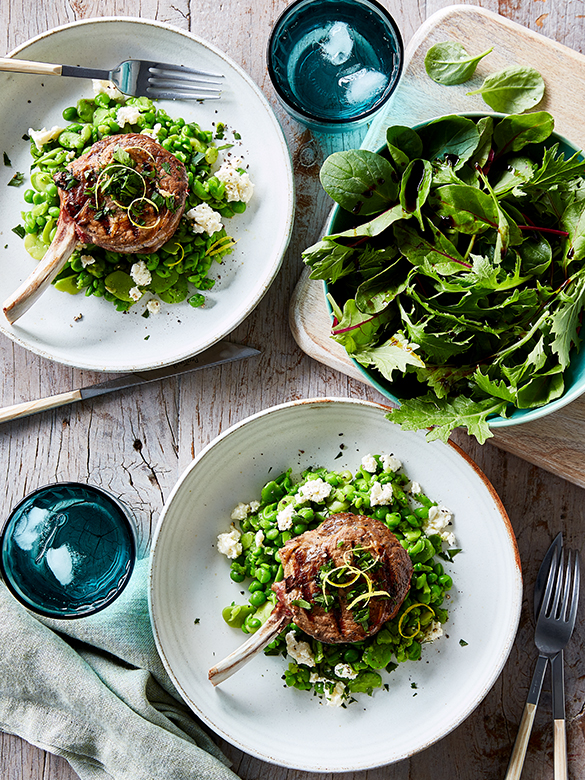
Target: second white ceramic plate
x=104 y=339
x=254 y=710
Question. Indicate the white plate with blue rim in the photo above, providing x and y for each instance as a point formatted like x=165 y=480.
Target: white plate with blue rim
x=104 y=339
x=254 y=710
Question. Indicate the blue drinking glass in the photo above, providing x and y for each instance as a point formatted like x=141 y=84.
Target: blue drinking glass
x=334 y=63
x=68 y=550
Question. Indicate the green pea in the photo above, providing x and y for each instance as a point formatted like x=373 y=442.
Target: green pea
x=445 y=581
x=422 y=512
x=299 y=528
x=263 y=575
x=254 y=586
x=351 y=655
x=85 y=109
x=251 y=624
x=70 y=114
x=28 y=196
x=257 y=598
x=237 y=576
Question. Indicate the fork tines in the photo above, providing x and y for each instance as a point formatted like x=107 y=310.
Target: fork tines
x=178 y=81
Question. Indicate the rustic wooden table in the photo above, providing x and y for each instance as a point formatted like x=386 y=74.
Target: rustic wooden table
x=138 y=443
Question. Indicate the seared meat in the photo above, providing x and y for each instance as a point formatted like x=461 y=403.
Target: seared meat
x=132 y=207
x=340 y=541
x=374 y=562
x=95 y=210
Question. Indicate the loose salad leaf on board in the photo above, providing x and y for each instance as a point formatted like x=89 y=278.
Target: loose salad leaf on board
x=512 y=90
x=449 y=63
x=463 y=293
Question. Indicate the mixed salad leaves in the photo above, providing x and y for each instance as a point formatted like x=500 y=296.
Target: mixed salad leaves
x=455 y=273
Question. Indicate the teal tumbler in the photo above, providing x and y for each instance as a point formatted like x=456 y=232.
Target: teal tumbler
x=334 y=63
x=68 y=550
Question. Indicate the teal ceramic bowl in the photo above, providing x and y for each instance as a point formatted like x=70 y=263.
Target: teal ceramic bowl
x=340 y=220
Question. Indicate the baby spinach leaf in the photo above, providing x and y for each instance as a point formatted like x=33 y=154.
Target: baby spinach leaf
x=406 y=140
x=359 y=180
x=448 y=63
x=415 y=187
x=514 y=132
x=485 y=127
x=465 y=208
x=512 y=90
x=455 y=136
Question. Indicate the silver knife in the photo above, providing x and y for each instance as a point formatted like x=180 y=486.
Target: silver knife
x=222 y=352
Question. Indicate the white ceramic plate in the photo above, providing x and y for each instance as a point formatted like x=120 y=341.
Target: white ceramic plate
x=106 y=340
x=189 y=582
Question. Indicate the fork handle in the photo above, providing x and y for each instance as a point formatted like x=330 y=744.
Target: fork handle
x=521 y=744
x=50 y=69
x=560 y=750
x=27 y=66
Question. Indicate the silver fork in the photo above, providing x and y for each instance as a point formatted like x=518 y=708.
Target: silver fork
x=554 y=627
x=139 y=78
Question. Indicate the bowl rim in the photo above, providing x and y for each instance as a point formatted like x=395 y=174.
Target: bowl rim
x=518 y=416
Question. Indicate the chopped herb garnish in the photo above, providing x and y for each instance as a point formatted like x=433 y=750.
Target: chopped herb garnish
x=19 y=230
x=463 y=643
x=16 y=180
x=7 y=161
x=166 y=167
x=302 y=603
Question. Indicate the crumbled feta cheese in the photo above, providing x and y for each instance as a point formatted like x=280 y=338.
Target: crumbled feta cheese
x=259 y=538
x=254 y=506
x=434 y=631
x=135 y=294
x=390 y=463
x=205 y=219
x=140 y=273
x=127 y=114
x=345 y=670
x=70 y=156
x=299 y=650
x=369 y=463
x=229 y=543
x=315 y=490
x=152 y=132
x=240 y=512
x=153 y=307
x=42 y=137
x=412 y=487
x=439 y=518
x=380 y=495
x=284 y=518
x=335 y=697
x=87 y=260
x=107 y=87
x=237 y=185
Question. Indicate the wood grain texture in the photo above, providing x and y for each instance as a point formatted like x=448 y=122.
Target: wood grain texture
x=137 y=443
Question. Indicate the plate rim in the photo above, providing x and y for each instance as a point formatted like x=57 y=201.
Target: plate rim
x=504 y=650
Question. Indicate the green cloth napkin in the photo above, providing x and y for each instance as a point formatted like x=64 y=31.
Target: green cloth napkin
x=94 y=691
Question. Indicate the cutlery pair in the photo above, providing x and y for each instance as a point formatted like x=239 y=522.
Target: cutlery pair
x=556 y=597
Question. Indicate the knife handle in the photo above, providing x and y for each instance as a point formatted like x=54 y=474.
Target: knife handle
x=30 y=407
x=521 y=744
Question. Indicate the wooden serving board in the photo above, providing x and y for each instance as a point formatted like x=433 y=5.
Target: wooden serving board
x=557 y=441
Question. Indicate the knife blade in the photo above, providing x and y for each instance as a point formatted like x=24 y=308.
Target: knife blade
x=222 y=352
